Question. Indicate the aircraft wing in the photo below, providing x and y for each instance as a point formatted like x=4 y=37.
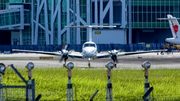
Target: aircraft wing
x=38 y=52
x=75 y=55
x=138 y=52
x=102 y=55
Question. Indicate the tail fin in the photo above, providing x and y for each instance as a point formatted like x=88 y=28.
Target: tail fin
x=174 y=25
x=65 y=47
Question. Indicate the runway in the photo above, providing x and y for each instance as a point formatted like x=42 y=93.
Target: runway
x=170 y=61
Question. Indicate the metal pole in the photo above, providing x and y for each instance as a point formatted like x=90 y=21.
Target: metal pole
x=33 y=90
x=1 y=91
x=69 y=88
x=109 y=94
x=130 y=23
x=30 y=89
x=94 y=95
x=18 y=73
x=146 y=85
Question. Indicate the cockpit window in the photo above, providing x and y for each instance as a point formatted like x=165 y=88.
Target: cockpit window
x=89 y=45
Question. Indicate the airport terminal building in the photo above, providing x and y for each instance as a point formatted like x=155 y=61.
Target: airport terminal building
x=42 y=22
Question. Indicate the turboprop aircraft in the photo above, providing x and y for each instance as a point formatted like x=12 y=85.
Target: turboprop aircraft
x=89 y=50
x=174 y=25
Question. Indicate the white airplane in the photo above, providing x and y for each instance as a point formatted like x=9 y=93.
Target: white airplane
x=174 y=25
x=89 y=50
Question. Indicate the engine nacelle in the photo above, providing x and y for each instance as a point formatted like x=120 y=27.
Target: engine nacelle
x=114 y=55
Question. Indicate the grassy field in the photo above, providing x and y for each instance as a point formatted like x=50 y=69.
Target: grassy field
x=127 y=84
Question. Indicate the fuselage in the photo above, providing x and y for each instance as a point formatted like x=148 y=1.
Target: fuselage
x=173 y=40
x=89 y=50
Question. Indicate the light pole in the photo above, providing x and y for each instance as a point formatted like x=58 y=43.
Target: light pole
x=109 y=93
x=2 y=70
x=29 y=66
x=69 y=66
x=146 y=65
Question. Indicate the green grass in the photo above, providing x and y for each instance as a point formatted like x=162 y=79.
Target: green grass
x=127 y=84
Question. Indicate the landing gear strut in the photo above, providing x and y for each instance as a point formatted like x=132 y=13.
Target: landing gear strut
x=89 y=65
x=65 y=61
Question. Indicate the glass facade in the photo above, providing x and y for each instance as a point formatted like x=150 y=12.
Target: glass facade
x=10 y=18
x=63 y=20
x=15 y=1
x=41 y=36
x=83 y=9
x=117 y=11
x=3 y=4
x=144 y=15
x=83 y=15
x=27 y=18
x=13 y=18
x=26 y=36
x=146 y=12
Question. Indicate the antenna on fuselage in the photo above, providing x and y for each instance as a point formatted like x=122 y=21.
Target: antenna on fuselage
x=90 y=29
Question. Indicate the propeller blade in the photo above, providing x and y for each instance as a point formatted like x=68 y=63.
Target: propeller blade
x=116 y=59
x=66 y=47
x=65 y=53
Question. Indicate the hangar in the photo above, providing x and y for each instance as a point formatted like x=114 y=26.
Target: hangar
x=42 y=22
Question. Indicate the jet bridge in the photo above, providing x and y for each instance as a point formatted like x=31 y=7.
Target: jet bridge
x=16 y=17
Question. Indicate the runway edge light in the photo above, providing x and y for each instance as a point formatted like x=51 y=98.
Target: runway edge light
x=2 y=70
x=109 y=93
x=29 y=66
x=69 y=66
x=147 y=90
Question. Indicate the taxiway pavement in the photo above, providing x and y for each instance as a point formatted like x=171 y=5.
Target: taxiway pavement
x=170 y=61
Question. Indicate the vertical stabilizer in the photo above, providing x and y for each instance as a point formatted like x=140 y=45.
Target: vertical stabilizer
x=174 y=25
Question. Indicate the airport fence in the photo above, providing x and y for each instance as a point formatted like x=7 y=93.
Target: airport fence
x=101 y=47
x=25 y=92
x=127 y=85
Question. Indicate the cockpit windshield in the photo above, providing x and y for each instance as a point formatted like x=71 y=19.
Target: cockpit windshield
x=89 y=45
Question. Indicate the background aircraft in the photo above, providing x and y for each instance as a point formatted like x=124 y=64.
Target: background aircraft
x=174 y=25
x=89 y=50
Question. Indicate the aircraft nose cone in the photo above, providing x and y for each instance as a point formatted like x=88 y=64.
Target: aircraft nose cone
x=88 y=54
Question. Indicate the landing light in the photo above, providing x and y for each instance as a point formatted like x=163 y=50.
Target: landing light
x=30 y=66
x=109 y=65
x=146 y=65
x=70 y=65
x=2 y=68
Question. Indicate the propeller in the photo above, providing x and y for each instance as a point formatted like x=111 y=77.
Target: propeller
x=65 y=53
x=113 y=53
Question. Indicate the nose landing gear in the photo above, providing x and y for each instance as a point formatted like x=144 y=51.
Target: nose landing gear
x=89 y=65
